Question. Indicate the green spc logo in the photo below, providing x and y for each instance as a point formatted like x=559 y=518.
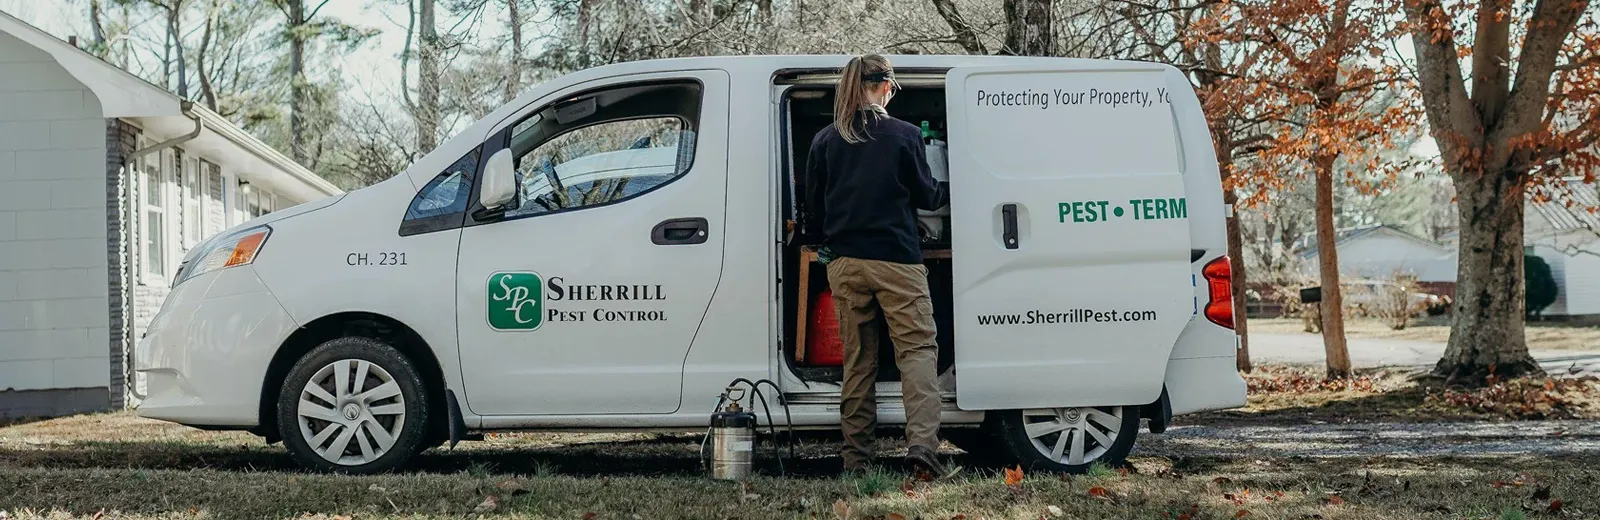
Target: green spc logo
x=516 y=301
x=1137 y=209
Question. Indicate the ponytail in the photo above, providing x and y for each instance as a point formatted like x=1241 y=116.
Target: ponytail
x=850 y=97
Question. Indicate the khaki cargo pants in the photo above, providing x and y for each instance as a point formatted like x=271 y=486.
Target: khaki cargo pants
x=862 y=290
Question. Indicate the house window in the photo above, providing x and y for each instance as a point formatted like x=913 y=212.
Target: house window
x=193 y=215
x=152 y=193
x=215 y=211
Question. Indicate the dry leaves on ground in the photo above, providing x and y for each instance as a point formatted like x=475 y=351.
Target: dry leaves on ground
x=1526 y=398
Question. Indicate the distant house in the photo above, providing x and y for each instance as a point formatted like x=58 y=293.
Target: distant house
x=105 y=182
x=1381 y=252
x=1565 y=233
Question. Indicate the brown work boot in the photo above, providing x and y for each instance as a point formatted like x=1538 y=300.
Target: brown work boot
x=925 y=459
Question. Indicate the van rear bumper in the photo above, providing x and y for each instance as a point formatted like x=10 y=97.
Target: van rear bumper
x=1203 y=384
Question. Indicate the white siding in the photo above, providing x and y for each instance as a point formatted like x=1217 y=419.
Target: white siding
x=1579 y=284
x=54 y=322
x=1381 y=255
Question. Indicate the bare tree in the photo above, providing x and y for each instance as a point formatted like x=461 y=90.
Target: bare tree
x=1030 y=28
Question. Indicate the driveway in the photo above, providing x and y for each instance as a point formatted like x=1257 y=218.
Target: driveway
x=1376 y=352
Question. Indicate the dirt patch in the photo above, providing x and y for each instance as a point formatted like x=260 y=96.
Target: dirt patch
x=1540 y=335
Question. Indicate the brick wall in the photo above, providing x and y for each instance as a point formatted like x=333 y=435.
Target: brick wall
x=121 y=140
x=54 y=329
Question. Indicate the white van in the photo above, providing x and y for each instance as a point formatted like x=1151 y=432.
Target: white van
x=613 y=248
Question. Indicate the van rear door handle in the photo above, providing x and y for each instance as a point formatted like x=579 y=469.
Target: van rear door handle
x=1008 y=223
x=680 y=231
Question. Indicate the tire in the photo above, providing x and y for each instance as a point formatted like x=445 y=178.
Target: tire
x=1011 y=431
x=391 y=405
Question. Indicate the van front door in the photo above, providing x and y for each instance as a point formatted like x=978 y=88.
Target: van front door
x=584 y=297
x=1070 y=233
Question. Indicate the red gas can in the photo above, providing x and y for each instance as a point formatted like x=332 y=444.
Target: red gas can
x=823 y=348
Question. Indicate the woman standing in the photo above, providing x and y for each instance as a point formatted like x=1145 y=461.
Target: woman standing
x=866 y=177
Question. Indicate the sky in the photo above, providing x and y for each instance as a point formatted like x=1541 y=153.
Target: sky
x=372 y=71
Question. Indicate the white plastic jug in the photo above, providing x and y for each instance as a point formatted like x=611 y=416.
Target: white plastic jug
x=931 y=223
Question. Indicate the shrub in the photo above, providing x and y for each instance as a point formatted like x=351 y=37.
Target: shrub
x=1541 y=285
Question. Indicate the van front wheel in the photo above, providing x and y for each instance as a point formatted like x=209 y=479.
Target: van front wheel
x=1069 y=439
x=353 y=405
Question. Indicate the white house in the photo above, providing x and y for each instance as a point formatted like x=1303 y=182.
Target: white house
x=105 y=182
x=1381 y=252
x=1565 y=232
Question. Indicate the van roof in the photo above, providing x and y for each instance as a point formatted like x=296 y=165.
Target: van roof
x=827 y=61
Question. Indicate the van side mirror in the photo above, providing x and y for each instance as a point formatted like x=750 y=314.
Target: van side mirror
x=499 y=181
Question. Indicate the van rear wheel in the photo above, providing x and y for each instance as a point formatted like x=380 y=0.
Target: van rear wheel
x=353 y=405
x=1068 y=439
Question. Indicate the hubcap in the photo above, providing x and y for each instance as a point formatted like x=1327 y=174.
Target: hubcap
x=351 y=412
x=1073 y=436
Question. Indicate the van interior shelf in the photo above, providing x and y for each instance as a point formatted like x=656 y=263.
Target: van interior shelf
x=808 y=256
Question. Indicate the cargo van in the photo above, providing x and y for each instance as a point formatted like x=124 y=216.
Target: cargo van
x=613 y=248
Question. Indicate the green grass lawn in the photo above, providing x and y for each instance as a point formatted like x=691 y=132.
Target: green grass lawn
x=130 y=468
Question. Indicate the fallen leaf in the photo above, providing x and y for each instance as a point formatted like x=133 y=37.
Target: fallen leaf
x=1122 y=471
x=1098 y=492
x=1054 y=511
x=1542 y=494
x=1222 y=481
x=841 y=509
x=1241 y=514
x=959 y=517
x=1334 y=500
x=895 y=516
x=1013 y=476
x=1555 y=506
x=490 y=503
x=513 y=487
x=590 y=516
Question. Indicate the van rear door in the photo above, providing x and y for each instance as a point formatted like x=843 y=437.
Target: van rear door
x=1070 y=233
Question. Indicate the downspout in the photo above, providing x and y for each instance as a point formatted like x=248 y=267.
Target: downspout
x=131 y=208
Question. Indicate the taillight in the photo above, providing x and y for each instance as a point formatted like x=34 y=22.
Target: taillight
x=1219 y=277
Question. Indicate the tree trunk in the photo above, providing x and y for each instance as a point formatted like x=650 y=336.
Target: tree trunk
x=427 y=80
x=1029 y=28
x=174 y=21
x=97 y=24
x=1332 y=306
x=297 y=82
x=965 y=35
x=584 y=14
x=514 y=73
x=208 y=93
x=1487 y=333
x=1236 y=264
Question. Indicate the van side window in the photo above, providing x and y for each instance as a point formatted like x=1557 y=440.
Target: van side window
x=604 y=147
x=441 y=203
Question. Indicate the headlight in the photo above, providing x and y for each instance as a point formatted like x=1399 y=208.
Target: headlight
x=238 y=249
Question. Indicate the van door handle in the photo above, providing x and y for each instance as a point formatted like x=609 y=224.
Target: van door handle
x=1008 y=223
x=680 y=231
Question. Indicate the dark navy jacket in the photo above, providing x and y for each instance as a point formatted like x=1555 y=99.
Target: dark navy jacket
x=862 y=198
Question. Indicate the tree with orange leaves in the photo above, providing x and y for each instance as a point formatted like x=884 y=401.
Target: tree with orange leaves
x=1337 y=98
x=1184 y=34
x=1511 y=125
